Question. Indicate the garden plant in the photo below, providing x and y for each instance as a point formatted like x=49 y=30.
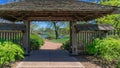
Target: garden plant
x=108 y=49
x=9 y=53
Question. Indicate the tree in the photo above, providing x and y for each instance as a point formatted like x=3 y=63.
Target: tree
x=56 y=29
x=33 y=27
x=65 y=30
x=113 y=19
x=56 y=26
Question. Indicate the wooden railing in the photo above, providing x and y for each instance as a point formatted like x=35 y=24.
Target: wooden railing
x=14 y=36
x=12 y=32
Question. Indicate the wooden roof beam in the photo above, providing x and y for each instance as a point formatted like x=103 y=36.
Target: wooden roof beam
x=51 y=18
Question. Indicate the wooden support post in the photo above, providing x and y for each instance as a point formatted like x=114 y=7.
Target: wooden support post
x=26 y=37
x=73 y=38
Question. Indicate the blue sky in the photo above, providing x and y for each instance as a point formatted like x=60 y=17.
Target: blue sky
x=42 y=24
x=4 y=1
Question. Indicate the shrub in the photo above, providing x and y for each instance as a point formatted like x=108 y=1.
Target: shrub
x=91 y=48
x=35 y=41
x=118 y=64
x=50 y=36
x=107 y=48
x=66 y=46
x=9 y=52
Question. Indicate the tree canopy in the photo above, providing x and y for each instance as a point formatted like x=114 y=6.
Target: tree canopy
x=113 y=19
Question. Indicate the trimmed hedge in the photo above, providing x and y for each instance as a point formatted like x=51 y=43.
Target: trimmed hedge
x=35 y=41
x=9 y=52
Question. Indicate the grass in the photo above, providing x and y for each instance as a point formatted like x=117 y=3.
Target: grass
x=62 y=40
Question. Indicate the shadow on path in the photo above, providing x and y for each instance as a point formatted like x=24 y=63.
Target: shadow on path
x=50 y=55
x=50 y=58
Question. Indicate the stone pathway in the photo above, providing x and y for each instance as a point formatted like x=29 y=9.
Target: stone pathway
x=51 y=57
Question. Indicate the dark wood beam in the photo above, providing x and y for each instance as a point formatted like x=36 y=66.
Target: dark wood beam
x=26 y=37
x=51 y=18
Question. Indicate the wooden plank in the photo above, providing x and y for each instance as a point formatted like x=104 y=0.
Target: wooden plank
x=21 y=38
x=85 y=38
x=78 y=40
x=70 y=33
x=84 y=41
x=8 y=36
x=0 y=36
x=12 y=37
x=5 y=36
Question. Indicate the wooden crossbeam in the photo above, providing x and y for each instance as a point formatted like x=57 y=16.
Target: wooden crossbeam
x=51 y=18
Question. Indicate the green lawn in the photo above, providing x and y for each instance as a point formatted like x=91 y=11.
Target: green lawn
x=62 y=40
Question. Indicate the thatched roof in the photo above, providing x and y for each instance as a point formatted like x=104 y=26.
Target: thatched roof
x=54 y=8
x=93 y=27
x=54 y=5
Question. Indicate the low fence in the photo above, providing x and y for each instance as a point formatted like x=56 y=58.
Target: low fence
x=12 y=32
x=9 y=35
x=86 y=37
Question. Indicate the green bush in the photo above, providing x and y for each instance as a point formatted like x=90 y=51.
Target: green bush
x=66 y=46
x=107 y=48
x=50 y=36
x=92 y=47
x=9 y=52
x=118 y=64
x=35 y=41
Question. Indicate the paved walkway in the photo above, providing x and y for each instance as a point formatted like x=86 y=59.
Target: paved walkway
x=50 y=56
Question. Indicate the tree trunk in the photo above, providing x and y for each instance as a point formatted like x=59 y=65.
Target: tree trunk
x=56 y=30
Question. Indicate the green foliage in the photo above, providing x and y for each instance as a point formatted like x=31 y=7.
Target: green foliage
x=66 y=46
x=91 y=48
x=35 y=41
x=107 y=48
x=111 y=2
x=9 y=52
x=118 y=64
x=60 y=40
x=110 y=19
x=50 y=36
